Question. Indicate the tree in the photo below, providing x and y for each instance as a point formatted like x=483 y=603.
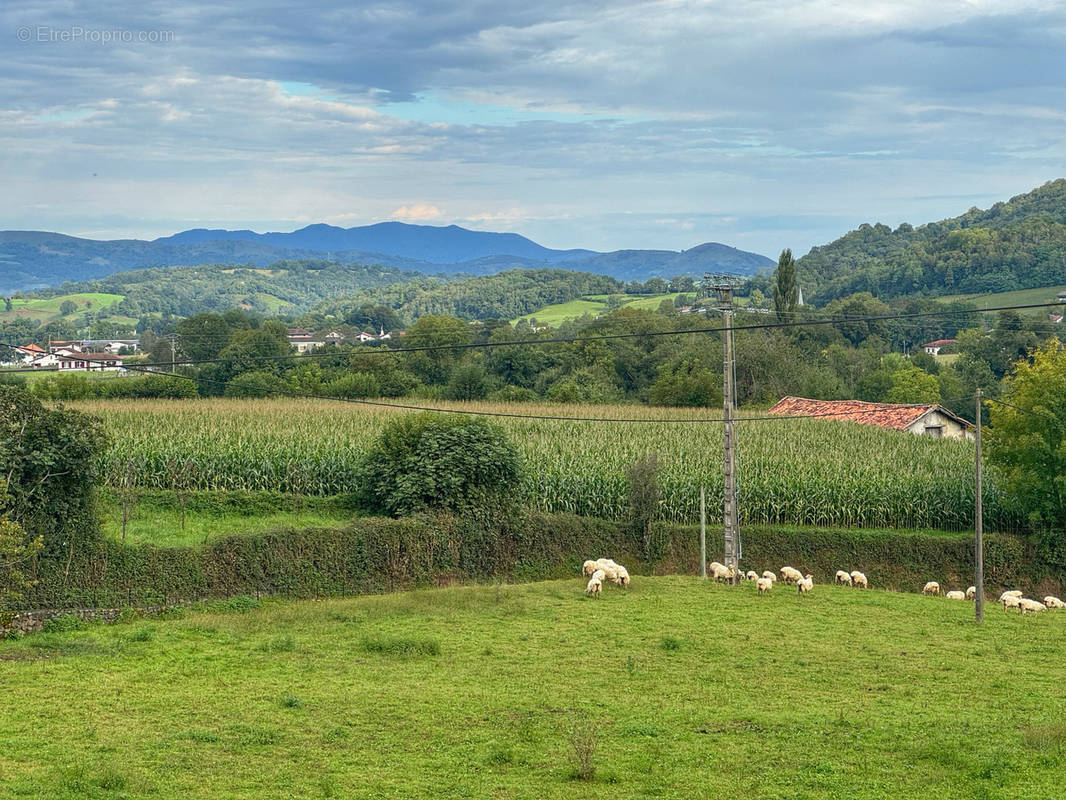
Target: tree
x=1027 y=449
x=913 y=385
x=468 y=382
x=203 y=336
x=435 y=366
x=436 y=462
x=48 y=458
x=67 y=307
x=686 y=384
x=786 y=294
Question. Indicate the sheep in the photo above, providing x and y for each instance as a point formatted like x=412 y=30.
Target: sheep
x=955 y=595
x=804 y=585
x=971 y=593
x=621 y=577
x=751 y=575
x=595 y=584
x=1009 y=601
x=1015 y=593
x=764 y=585
x=721 y=572
x=858 y=579
x=1053 y=602
x=931 y=588
x=791 y=575
x=770 y=575
x=843 y=577
x=1025 y=604
x=588 y=568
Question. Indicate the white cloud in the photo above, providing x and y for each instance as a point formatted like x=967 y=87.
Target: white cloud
x=419 y=212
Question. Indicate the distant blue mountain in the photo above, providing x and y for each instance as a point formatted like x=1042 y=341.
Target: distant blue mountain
x=437 y=245
x=35 y=259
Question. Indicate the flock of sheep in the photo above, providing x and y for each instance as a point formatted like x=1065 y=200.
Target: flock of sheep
x=605 y=569
x=1010 y=599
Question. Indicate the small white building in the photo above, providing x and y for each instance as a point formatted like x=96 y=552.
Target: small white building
x=90 y=362
x=934 y=348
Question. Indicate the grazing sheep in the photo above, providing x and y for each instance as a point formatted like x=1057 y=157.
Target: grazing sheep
x=1009 y=601
x=791 y=575
x=843 y=577
x=1025 y=604
x=1015 y=593
x=764 y=585
x=720 y=572
x=804 y=585
x=594 y=585
x=931 y=588
x=955 y=595
x=770 y=575
x=751 y=575
x=588 y=568
x=971 y=593
x=858 y=579
x=621 y=577
x=1053 y=602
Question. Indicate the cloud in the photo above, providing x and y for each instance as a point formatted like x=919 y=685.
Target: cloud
x=419 y=212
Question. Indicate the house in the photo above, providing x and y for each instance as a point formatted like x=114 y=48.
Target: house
x=70 y=347
x=924 y=419
x=1061 y=296
x=363 y=336
x=30 y=352
x=44 y=361
x=1055 y=318
x=298 y=334
x=91 y=362
x=111 y=345
x=334 y=337
x=934 y=348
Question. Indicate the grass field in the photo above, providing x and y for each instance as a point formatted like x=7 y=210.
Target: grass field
x=594 y=304
x=1020 y=298
x=802 y=471
x=47 y=309
x=687 y=689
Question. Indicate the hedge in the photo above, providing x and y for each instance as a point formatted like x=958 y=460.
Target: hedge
x=374 y=554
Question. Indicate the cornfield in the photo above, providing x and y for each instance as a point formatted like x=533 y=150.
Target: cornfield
x=800 y=471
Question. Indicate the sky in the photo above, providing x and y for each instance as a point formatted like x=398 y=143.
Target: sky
x=595 y=124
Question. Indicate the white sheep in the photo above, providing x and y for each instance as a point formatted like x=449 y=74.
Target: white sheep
x=1015 y=593
x=764 y=585
x=621 y=577
x=1053 y=602
x=971 y=593
x=955 y=595
x=595 y=584
x=1025 y=604
x=721 y=572
x=858 y=579
x=843 y=577
x=932 y=587
x=1009 y=601
x=804 y=585
x=791 y=575
x=751 y=575
x=588 y=568
x=770 y=575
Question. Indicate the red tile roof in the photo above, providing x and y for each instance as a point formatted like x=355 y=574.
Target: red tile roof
x=896 y=416
x=941 y=343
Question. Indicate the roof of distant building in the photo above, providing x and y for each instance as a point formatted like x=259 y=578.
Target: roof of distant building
x=896 y=416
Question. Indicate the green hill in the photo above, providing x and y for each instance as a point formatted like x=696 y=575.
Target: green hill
x=47 y=309
x=1018 y=244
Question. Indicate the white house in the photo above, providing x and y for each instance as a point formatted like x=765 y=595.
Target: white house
x=934 y=348
x=90 y=362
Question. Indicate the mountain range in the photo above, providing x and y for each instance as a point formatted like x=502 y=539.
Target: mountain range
x=35 y=259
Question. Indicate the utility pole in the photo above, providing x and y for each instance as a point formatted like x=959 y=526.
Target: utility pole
x=723 y=286
x=979 y=525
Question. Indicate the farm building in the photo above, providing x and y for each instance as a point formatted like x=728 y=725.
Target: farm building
x=94 y=362
x=934 y=348
x=926 y=419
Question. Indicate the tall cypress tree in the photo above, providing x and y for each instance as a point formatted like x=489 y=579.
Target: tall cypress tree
x=786 y=295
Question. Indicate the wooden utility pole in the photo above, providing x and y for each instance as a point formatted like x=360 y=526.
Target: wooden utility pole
x=723 y=286
x=703 y=532
x=978 y=523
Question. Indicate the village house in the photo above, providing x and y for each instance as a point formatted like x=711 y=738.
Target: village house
x=90 y=362
x=30 y=352
x=922 y=419
x=934 y=348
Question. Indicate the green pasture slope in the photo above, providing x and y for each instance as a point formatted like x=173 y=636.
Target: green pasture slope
x=594 y=304
x=1020 y=297
x=47 y=309
x=685 y=689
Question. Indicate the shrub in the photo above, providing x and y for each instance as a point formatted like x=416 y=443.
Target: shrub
x=436 y=462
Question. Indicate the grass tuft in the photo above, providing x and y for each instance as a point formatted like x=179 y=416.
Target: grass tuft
x=401 y=646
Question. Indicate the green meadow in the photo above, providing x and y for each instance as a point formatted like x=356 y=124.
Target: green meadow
x=676 y=688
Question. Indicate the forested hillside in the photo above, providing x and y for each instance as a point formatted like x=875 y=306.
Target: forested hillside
x=1018 y=244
